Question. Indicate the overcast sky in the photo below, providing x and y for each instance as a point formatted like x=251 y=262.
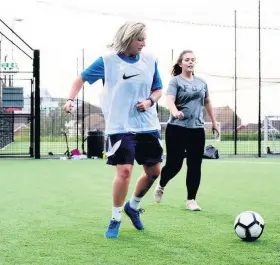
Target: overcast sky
x=61 y=29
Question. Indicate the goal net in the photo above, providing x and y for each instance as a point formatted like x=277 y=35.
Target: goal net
x=271 y=131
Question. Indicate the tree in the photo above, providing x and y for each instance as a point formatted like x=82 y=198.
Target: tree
x=53 y=121
x=162 y=110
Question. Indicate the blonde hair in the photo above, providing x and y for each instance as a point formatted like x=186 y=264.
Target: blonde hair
x=126 y=34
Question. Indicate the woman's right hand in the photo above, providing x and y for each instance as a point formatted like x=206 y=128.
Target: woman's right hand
x=69 y=106
x=178 y=115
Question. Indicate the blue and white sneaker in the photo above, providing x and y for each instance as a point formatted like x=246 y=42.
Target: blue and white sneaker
x=113 y=229
x=134 y=216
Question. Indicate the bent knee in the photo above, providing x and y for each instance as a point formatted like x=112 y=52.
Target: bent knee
x=171 y=169
x=124 y=171
x=155 y=171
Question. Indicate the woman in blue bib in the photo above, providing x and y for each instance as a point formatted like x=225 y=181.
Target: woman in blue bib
x=132 y=86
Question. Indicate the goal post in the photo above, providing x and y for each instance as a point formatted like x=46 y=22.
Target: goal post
x=271 y=132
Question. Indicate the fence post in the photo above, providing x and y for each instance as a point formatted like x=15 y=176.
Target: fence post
x=260 y=87
x=235 y=83
x=83 y=107
x=36 y=75
x=31 y=149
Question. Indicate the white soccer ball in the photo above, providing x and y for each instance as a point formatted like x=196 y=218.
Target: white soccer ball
x=249 y=226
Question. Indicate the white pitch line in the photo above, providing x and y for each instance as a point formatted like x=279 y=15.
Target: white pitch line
x=248 y=162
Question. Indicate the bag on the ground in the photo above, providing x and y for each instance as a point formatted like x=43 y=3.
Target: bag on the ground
x=211 y=152
x=75 y=152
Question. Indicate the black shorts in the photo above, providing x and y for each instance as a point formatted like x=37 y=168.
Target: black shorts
x=145 y=148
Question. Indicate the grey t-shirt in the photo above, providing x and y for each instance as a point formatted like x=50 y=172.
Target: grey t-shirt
x=189 y=98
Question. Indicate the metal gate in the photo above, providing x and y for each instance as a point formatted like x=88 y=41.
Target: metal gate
x=17 y=124
x=19 y=96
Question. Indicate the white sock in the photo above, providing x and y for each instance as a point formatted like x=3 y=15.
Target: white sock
x=116 y=213
x=158 y=185
x=134 y=202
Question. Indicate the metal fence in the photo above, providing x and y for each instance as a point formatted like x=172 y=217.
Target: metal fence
x=40 y=128
x=56 y=125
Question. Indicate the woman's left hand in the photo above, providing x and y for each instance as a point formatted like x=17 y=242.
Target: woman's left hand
x=143 y=105
x=215 y=129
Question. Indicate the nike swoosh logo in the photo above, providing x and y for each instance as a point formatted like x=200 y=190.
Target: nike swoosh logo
x=128 y=76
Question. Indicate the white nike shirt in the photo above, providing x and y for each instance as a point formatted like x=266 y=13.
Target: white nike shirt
x=125 y=85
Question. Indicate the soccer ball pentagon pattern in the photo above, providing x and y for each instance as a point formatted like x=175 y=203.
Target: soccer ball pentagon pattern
x=249 y=226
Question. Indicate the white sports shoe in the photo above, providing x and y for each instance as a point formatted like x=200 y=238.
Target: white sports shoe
x=193 y=206
x=158 y=193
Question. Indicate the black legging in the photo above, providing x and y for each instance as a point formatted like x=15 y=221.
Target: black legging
x=180 y=143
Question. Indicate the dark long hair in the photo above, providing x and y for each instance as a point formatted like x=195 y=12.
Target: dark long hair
x=177 y=69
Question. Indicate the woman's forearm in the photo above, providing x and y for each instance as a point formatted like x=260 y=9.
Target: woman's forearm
x=156 y=95
x=171 y=103
x=76 y=87
x=209 y=109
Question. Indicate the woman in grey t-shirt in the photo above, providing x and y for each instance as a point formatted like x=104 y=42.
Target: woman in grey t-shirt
x=187 y=96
